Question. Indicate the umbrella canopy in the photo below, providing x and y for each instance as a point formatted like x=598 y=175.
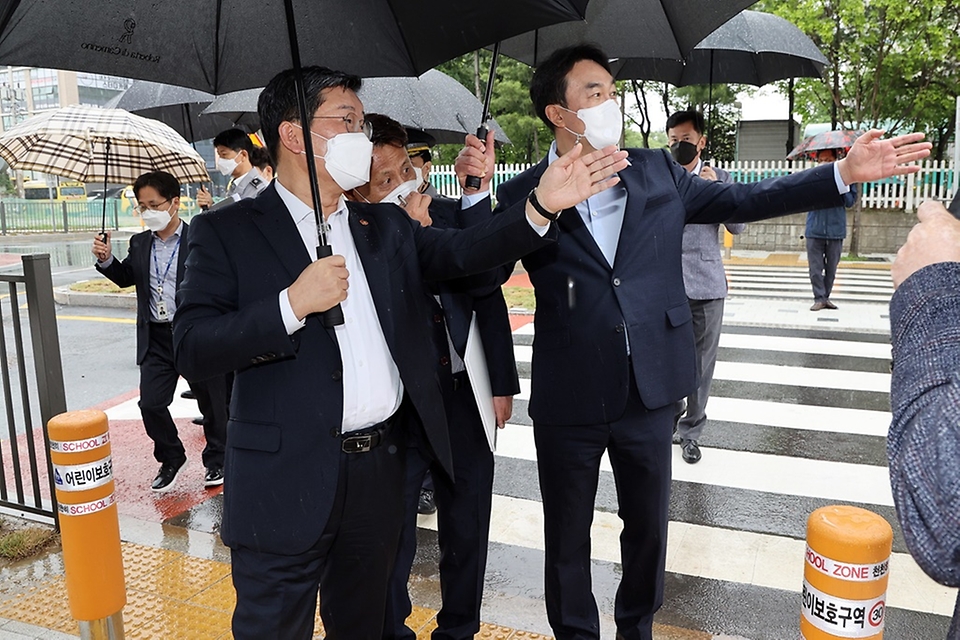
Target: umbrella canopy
x=207 y=45
x=751 y=48
x=842 y=139
x=667 y=29
x=434 y=102
x=71 y=142
x=177 y=107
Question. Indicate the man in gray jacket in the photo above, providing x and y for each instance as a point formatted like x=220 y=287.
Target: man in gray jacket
x=703 y=278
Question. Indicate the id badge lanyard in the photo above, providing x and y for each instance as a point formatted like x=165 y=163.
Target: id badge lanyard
x=162 y=313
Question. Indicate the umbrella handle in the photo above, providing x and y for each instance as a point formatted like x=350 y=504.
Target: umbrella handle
x=332 y=317
x=473 y=182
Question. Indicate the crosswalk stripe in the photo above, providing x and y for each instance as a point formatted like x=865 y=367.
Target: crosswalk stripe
x=735 y=556
x=799 y=416
x=802 y=376
x=785 y=475
x=806 y=345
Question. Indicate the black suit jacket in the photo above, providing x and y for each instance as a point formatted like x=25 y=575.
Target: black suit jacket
x=135 y=270
x=493 y=321
x=580 y=369
x=283 y=442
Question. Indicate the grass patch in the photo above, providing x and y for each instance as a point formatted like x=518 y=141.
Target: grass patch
x=100 y=285
x=26 y=542
x=520 y=298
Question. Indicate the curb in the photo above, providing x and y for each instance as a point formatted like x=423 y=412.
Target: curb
x=64 y=296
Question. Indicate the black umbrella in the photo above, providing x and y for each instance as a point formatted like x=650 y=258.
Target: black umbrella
x=751 y=48
x=176 y=107
x=434 y=102
x=211 y=46
x=230 y=45
x=630 y=29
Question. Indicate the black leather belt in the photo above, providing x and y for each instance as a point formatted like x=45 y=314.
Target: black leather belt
x=365 y=440
x=460 y=380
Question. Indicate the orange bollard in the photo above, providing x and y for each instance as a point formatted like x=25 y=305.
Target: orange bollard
x=89 y=525
x=727 y=243
x=845 y=574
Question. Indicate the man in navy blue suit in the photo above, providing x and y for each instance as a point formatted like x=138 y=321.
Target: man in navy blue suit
x=614 y=347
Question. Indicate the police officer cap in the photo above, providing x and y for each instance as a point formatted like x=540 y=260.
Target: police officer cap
x=418 y=141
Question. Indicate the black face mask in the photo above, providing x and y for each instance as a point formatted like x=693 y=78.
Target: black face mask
x=684 y=152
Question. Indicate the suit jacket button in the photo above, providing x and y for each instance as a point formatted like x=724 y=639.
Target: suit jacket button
x=619 y=328
x=437 y=317
x=616 y=282
x=444 y=360
x=337 y=375
x=334 y=432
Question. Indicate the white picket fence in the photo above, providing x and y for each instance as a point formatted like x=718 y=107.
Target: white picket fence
x=937 y=180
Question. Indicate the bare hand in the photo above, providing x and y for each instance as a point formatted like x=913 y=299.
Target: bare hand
x=935 y=239
x=319 y=287
x=102 y=250
x=571 y=179
x=204 y=199
x=503 y=409
x=417 y=207
x=707 y=173
x=477 y=158
x=871 y=158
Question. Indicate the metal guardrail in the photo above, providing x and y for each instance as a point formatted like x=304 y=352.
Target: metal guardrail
x=29 y=399
x=18 y=215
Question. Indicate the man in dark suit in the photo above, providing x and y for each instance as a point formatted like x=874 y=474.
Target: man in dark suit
x=155 y=265
x=463 y=502
x=614 y=346
x=320 y=416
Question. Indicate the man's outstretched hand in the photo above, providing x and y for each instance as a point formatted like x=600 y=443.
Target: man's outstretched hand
x=573 y=178
x=873 y=158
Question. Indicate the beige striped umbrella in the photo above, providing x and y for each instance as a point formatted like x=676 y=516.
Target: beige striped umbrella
x=72 y=142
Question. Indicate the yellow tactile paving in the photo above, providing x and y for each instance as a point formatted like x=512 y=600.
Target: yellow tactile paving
x=139 y=560
x=182 y=620
x=422 y=620
x=45 y=606
x=181 y=579
x=220 y=596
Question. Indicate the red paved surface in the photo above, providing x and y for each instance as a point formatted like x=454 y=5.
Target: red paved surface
x=133 y=468
x=520 y=279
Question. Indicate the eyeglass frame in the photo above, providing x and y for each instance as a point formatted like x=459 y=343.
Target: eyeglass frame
x=141 y=208
x=366 y=127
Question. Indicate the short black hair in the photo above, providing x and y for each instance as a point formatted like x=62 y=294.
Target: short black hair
x=278 y=100
x=549 y=84
x=260 y=158
x=165 y=183
x=235 y=139
x=683 y=117
x=386 y=131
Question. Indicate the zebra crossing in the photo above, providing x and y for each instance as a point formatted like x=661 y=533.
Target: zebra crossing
x=797 y=420
x=853 y=284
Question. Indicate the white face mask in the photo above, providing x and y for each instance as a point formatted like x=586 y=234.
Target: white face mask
x=603 y=124
x=226 y=166
x=348 y=159
x=156 y=219
x=399 y=195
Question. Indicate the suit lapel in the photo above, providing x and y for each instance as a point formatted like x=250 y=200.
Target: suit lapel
x=280 y=231
x=632 y=179
x=367 y=241
x=572 y=224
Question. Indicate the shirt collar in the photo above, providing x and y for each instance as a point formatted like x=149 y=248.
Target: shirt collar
x=298 y=208
x=175 y=234
x=698 y=168
x=246 y=178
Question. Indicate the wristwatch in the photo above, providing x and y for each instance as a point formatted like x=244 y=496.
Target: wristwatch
x=549 y=215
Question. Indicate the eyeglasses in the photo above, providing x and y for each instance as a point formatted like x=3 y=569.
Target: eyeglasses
x=142 y=208
x=354 y=124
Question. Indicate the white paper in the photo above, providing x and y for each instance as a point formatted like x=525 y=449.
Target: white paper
x=475 y=361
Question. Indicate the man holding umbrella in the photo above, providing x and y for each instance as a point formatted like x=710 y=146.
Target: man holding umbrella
x=614 y=348
x=315 y=460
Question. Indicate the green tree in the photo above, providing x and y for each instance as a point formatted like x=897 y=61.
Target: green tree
x=892 y=64
x=721 y=112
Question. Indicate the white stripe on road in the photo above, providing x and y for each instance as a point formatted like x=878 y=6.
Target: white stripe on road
x=803 y=376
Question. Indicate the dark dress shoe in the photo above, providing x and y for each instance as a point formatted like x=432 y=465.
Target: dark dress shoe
x=829 y=304
x=188 y=395
x=213 y=477
x=817 y=306
x=198 y=421
x=426 y=505
x=690 y=451
x=676 y=436
x=167 y=476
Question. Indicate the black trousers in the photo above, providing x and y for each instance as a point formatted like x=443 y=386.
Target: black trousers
x=568 y=461
x=350 y=562
x=463 y=523
x=158 y=382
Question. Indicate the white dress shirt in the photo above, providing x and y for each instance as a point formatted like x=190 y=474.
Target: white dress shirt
x=372 y=389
